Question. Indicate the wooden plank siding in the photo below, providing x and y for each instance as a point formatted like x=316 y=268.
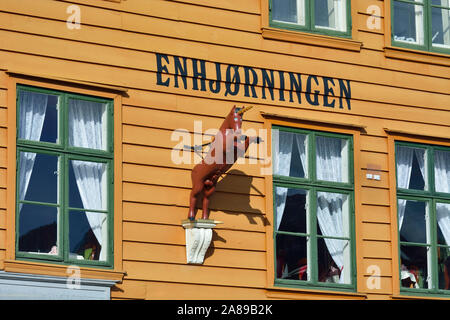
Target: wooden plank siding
x=117 y=46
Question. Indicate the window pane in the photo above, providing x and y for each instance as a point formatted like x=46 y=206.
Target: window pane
x=442 y=3
x=415 y=267
x=291 y=209
x=331 y=14
x=332 y=159
x=408 y=23
x=290 y=154
x=87 y=182
x=333 y=260
x=38 y=229
x=442 y=171
x=291 y=11
x=332 y=214
x=87 y=124
x=38 y=177
x=444 y=268
x=411 y=168
x=413 y=221
x=292 y=257
x=440 y=27
x=38 y=117
x=88 y=235
x=443 y=221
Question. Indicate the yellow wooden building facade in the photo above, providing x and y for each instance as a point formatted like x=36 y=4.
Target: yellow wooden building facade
x=165 y=66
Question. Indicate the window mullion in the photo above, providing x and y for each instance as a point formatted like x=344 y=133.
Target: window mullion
x=433 y=233
x=311 y=157
x=64 y=234
x=312 y=243
x=309 y=14
x=64 y=122
x=430 y=168
x=427 y=24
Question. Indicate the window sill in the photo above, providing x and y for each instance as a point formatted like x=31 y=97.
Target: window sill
x=60 y=270
x=311 y=39
x=23 y=286
x=298 y=293
x=417 y=56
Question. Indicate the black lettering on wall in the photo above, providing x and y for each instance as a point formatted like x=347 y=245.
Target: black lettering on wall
x=250 y=85
x=160 y=69
x=308 y=92
x=184 y=70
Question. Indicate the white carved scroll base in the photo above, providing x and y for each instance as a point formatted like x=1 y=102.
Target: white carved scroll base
x=198 y=239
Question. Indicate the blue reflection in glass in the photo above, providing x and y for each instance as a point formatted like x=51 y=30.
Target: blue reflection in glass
x=43 y=185
x=37 y=228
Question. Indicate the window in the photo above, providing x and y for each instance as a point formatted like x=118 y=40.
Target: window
x=64 y=177
x=423 y=200
x=321 y=16
x=313 y=208
x=421 y=24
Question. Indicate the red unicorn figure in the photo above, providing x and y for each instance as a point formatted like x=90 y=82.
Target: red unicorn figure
x=228 y=145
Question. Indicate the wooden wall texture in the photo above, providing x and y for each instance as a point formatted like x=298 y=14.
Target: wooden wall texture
x=116 y=46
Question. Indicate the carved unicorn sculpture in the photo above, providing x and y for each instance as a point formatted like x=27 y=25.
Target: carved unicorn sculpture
x=228 y=145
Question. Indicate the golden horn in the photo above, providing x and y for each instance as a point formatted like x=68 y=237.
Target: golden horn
x=245 y=110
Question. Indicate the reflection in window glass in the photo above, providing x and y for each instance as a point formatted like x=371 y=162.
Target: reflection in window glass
x=38 y=177
x=443 y=3
x=441 y=26
x=408 y=23
x=331 y=14
x=38 y=229
x=290 y=11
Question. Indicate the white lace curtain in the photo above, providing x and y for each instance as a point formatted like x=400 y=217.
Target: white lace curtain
x=32 y=108
x=330 y=206
x=283 y=143
x=404 y=156
x=86 y=123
